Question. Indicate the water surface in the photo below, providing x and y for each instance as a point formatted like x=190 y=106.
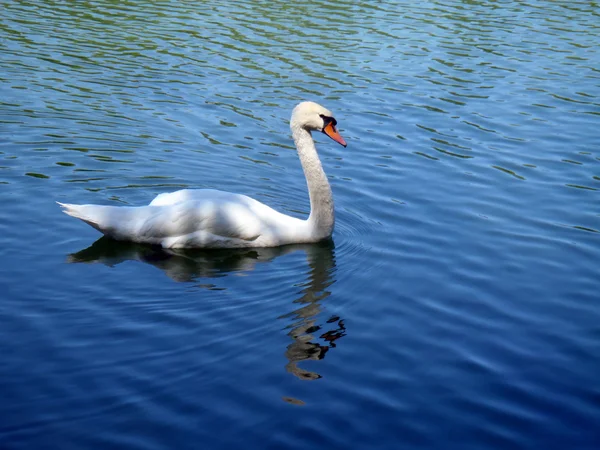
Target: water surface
x=457 y=306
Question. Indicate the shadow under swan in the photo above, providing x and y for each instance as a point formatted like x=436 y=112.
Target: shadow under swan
x=312 y=335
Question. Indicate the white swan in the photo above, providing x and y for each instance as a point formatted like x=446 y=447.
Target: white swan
x=206 y=218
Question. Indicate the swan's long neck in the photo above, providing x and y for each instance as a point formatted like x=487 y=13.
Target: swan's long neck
x=322 y=218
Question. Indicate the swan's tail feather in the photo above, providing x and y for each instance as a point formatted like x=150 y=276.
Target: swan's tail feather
x=84 y=213
x=103 y=218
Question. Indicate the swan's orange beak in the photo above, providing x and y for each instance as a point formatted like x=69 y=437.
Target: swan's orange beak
x=330 y=131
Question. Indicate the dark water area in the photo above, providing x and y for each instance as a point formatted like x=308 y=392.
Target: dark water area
x=458 y=305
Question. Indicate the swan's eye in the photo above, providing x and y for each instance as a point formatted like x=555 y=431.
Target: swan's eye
x=328 y=120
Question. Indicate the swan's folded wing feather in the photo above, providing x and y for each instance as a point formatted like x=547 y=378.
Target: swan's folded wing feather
x=170 y=198
x=227 y=219
x=186 y=195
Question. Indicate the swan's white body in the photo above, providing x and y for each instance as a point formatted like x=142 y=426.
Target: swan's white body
x=207 y=218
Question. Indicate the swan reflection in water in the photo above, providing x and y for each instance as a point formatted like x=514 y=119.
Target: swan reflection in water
x=312 y=336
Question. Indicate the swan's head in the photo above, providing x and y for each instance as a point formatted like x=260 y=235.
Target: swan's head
x=312 y=116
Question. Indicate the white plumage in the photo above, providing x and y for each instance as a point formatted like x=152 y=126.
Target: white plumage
x=207 y=218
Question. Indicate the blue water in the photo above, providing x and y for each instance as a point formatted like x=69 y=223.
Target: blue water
x=458 y=305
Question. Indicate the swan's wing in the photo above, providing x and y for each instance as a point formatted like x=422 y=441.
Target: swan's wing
x=206 y=218
x=170 y=198
x=185 y=195
x=220 y=217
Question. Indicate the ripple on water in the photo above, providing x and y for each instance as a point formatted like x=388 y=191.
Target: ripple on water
x=458 y=297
